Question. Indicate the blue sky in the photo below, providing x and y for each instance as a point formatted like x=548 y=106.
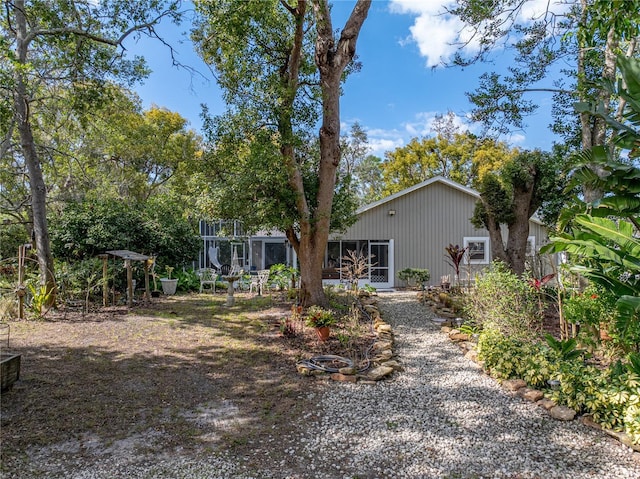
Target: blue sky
x=396 y=95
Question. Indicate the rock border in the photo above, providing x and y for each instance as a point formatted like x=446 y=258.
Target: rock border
x=383 y=360
x=520 y=388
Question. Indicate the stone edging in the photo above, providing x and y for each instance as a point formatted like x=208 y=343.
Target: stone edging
x=520 y=388
x=383 y=363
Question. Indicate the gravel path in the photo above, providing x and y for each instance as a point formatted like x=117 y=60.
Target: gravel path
x=440 y=418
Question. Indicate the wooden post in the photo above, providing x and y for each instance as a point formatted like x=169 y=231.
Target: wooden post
x=127 y=264
x=105 y=279
x=146 y=281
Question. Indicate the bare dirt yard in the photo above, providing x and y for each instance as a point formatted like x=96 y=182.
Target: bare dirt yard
x=184 y=374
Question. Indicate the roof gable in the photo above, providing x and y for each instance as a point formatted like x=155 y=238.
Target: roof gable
x=436 y=179
x=424 y=184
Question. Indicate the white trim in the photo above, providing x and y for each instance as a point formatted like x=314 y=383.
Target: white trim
x=477 y=239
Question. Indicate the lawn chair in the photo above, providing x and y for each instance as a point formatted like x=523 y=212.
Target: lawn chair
x=259 y=281
x=208 y=276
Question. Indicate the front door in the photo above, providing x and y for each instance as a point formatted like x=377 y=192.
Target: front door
x=381 y=271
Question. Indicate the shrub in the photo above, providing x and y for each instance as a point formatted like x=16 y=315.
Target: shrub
x=508 y=358
x=503 y=302
x=611 y=395
x=188 y=280
x=414 y=275
x=86 y=229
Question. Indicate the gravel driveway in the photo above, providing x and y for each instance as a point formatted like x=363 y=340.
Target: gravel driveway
x=440 y=418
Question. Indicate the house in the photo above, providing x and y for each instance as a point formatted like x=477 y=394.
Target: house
x=409 y=229
x=224 y=242
x=412 y=228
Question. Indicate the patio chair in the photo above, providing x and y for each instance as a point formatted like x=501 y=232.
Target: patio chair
x=259 y=281
x=208 y=277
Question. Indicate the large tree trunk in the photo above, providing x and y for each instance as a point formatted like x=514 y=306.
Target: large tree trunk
x=519 y=229
x=36 y=180
x=331 y=60
x=495 y=237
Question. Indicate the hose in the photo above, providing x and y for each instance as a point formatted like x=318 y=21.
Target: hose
x=319 y=363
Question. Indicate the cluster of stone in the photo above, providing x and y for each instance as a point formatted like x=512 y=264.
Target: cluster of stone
x=383 y=362
x=439 y=301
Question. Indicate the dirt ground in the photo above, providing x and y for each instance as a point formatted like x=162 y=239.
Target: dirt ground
x=184 y=374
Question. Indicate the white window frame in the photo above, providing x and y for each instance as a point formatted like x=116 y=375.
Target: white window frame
x=478 y=239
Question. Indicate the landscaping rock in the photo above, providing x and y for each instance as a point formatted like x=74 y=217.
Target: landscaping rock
x=344 y=377
x=562 y=413
x=546 y=403
x=383 y=328
x=445 y=329
x=472 y=354
x=394 y=364
x=458 y=337
x=532 y=395
x=514 y=384
x=303 y=370
x=379 y=372
x=382 y=345
x=383 y=356
x=347 y=371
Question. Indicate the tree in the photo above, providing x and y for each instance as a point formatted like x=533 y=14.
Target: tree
x=275 y=73
x=368 y=181
x=49 y=47
x=602 y=236
x=585 y=35
x=510 y=197
x=463 y=158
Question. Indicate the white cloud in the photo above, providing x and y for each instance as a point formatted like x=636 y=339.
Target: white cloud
x=423 y=124
x=516 y=139
x=439 y=35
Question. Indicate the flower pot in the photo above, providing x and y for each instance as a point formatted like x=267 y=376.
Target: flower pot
x=323 y=333
x=169 y=285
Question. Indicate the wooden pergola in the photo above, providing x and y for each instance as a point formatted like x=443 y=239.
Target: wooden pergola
x=128 y=257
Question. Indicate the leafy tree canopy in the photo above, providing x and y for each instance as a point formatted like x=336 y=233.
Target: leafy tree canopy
x=463 y=157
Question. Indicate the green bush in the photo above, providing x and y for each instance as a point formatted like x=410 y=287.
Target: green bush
x=188 y=280
x=415 y=276
x=610 y=395
x=86 y=229
x=508 y=358
x=503 y=302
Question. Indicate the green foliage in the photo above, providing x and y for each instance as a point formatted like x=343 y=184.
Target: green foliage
x=38 y=299
x=508 y=358
x=84 y=230
x=318 y=317
x=282 y=275
x=566 y=350
x=461 y=157
x=188 y=280
x=503 y=302
x=12 y=236
x=610 y=395
x=419 y=276
x=78 y=280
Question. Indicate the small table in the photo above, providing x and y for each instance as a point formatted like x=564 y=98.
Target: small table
x=230 y=280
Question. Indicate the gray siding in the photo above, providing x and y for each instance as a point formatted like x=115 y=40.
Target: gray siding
x=426 y=220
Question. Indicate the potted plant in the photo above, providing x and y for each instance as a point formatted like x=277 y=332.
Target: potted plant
x=321 y=319
x=169 y=285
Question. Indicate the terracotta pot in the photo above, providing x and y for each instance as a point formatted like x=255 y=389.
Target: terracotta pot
x=323 y=333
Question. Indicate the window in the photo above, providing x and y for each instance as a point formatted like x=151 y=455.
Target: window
x=478 y=250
